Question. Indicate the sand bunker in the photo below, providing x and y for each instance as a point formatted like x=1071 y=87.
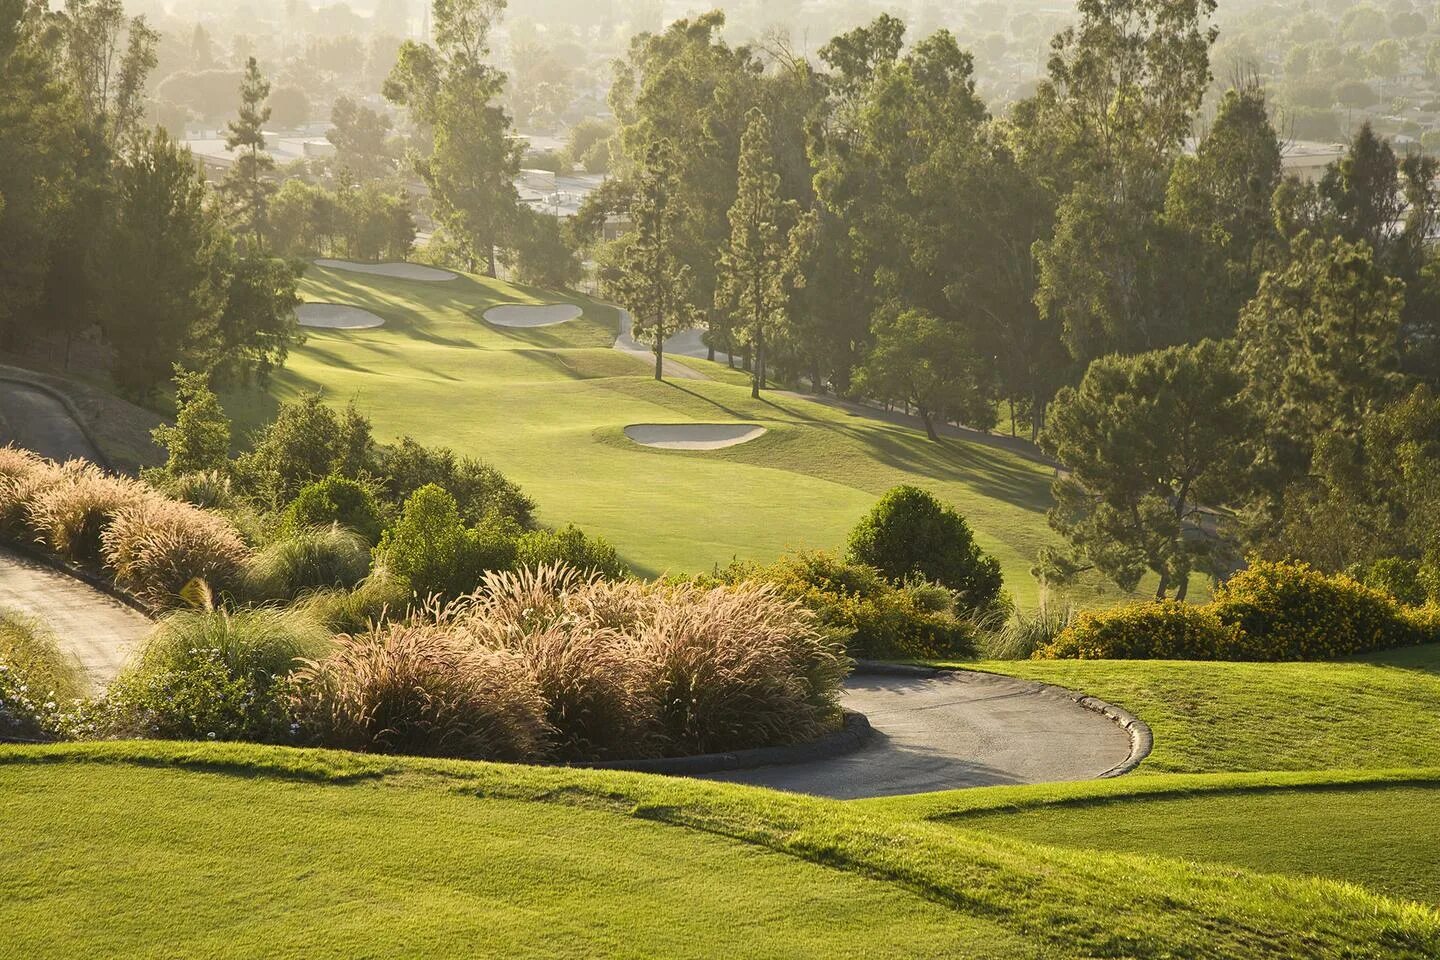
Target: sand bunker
x=692 y=436
x=336 y=316
x=401 y=271
x=532 y=315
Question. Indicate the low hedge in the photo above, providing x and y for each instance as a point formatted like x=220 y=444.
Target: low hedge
x=1271 y=611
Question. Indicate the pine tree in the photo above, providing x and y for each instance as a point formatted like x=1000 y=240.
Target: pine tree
x=651 y=281
x=246 y=184
x=753 y=263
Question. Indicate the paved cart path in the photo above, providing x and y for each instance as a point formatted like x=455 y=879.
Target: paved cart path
x=955 y=729
x=94 y=627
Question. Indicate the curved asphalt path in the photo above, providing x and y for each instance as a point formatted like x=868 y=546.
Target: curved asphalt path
x=32 y=418
x=96 y=629
x=93 y=627
x=954 y=729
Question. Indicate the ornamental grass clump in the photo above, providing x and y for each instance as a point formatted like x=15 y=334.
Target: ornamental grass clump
x=70 y=513
x=23 y=475
x=39 y=685
x=156 y=546
x=423 y=689
x=736 y=667
x=306 y=559
x=212 y=674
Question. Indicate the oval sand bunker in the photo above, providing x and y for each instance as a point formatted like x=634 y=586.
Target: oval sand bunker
x=336 y=316
x=692 y=436
x=400 y=271
x=532 y=315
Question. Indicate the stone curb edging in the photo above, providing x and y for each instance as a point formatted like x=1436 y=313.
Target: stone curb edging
x=852 y=735
x=84 y=576
x=69 y=404
x=1142 y=739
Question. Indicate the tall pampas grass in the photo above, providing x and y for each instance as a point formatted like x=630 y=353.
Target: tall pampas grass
x=156 y=546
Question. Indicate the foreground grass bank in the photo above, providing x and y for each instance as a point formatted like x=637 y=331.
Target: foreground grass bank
x=548 y=405
x=149 y=849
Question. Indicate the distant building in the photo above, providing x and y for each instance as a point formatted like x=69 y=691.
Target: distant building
x=1307 y=159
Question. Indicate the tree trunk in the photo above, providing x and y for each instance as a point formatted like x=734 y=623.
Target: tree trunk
x=1164 y=587
x=929 y=423
x=1183 y=589
x=757 y=380
x=745 y=359
x=1011 y=401
x=816 y=387
x=659 y=356
x=490 y=257
x=710 y=352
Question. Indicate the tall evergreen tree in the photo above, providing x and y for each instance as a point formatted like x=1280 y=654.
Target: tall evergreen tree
x=247 y=183
x=753 y=264
x=651 y=282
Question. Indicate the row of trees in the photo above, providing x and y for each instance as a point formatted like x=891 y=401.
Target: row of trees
x=108 y=231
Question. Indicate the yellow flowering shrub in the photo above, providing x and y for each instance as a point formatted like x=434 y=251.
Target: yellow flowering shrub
x=1269 y=611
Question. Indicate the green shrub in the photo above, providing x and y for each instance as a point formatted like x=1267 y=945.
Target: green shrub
x=212 y=675
x=309 y=558
x=874 y=618
x=481 y=492
x=307 y=441
x=39 y=685
x=1151 y=630
x=432 y=550
x=158 y=546
x=909 y=533
x=337 y=500
x=422 y=690
x=1397 y=578
x=1291 y=611
x=569 y=546
x=207 y=489
x=200 y=439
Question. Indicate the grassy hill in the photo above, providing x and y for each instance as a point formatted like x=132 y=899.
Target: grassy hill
x=143 y=849
x=548 y=406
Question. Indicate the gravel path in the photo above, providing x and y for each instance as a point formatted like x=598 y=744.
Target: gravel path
x=957 y=729
x=32 y=418
x=95 y=628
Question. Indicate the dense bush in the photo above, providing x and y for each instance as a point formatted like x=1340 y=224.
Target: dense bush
x=337 y=500
x=212 y=675
x=307 y=441
x=1401 y=580
x=432 y=549
x=1152 y=630
x=1291 y=611
x=305 y=559
x=481 y=492
x=570 y=546
x=1269 y=611
x=909 y=533
x=418 y=689
x=874 y=618
x=157 y=546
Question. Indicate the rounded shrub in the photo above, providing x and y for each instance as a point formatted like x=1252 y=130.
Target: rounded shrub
x=873 y=617
x=432 y=550
x=1152 y=630
x=1292 y=611
x=307 y=558
x=570 y=546
x=909 y=533
x=337 y=500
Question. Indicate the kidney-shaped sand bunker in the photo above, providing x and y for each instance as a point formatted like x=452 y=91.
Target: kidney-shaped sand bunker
x=692 y=436
x=336 y=316
x=532 y=314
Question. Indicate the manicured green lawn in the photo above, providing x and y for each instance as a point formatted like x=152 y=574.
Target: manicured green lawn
x=1374 y=712
x=548 y=406
x=146 y=849
x=1384 y=838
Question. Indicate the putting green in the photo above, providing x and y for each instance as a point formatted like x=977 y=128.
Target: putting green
x=548 y=406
